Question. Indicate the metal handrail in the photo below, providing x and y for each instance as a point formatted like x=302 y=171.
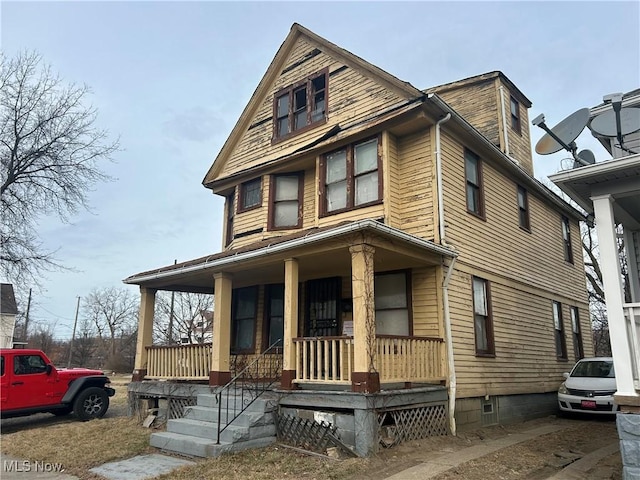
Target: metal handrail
x=250 y=388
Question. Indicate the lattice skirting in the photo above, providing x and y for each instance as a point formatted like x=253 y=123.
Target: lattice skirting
x=309 y=434
x=411 y=423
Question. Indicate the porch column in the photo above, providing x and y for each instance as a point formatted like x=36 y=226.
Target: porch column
x=290 y=323
x=220 y=372
x=145 y=332
x=614 y=296
x=364 y=377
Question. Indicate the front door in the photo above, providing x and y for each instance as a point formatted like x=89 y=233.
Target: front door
x=322 y=307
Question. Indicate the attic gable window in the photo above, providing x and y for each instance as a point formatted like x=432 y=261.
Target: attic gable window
x=301 y=105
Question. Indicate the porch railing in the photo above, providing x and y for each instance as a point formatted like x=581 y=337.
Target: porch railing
x=409 y=359
x=397 y=359
x=632 y=322
x=179 y=362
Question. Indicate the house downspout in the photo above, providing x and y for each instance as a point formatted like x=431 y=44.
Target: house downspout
x=505 y=132
x=445 y=285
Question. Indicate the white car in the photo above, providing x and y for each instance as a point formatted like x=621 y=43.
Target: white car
x=589 y=388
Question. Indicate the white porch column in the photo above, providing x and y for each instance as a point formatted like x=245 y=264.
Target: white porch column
x=614 y=293
x=290 y=322
x=220 y=372
x=145 y=332
x=363 y=378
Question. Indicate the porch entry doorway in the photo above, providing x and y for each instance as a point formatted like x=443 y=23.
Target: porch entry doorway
x=322 y=307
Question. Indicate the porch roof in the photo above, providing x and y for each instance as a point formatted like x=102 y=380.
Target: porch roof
x=322 y=252
x=619 y=177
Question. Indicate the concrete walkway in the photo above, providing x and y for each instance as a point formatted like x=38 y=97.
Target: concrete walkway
x=578 y=469
x=431 y=468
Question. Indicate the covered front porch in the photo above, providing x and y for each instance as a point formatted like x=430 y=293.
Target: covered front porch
x=352 y=307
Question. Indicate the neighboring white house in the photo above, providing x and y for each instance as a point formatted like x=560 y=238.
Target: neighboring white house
x=8 y=312
x=610 y=191
x=201 y=330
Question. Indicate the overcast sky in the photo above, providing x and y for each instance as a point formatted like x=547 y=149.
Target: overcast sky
x=170 y=79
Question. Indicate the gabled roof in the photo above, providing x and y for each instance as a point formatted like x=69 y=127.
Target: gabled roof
x=7 y=300
x=275 y=69
x=483 y=77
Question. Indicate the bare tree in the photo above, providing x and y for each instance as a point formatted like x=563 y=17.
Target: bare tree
x=50 y=152
x=113 y=312
x=188 y=310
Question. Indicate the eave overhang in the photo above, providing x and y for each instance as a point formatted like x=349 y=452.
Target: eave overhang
x=170 y=277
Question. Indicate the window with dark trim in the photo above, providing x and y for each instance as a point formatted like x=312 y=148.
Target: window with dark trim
x=558 y=325
x=566 y=238
x=244 y=308
x=285 y=201
x=578 y=349
x=301 y=105
x=322 y=307
x=230 y=216
x=515 y=115
x=523 y=208
x=473 y=174
x=250 y=195
x=273 y=316
x=393 y=304
x=351 y=177
x=482 y=317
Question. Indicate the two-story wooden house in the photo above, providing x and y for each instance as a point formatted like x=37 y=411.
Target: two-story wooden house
x=392 y=243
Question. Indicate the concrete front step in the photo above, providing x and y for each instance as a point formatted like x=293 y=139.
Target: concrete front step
x=246 y=418
x=260 y=404
x=200 y=447
x=209 y=430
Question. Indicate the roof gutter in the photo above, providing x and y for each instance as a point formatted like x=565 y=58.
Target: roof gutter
x=298 y=242
x=540 y=188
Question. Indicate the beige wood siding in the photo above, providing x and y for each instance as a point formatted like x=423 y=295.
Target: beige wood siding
x=498 y=244
x=525 y=356
x=519 y=143
x=392 y=189
x=415 y=185
x=477 y=104
x=352 y=96
x=426 y=322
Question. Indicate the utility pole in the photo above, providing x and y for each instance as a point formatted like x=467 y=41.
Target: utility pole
x=173 y=294
x=26 y=319
x=73 y=333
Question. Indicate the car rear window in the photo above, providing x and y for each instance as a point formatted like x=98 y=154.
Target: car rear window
x=596 y=369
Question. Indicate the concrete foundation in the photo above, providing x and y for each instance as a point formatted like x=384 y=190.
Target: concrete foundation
x=629 y=433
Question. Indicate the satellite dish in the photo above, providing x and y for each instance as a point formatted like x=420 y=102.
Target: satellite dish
x=585 y=157
x=562 y=135
x=606 y=124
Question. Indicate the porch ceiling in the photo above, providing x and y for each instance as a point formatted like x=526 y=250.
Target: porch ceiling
x=320 y=253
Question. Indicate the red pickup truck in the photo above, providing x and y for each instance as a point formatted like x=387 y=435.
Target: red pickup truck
x=29 y=383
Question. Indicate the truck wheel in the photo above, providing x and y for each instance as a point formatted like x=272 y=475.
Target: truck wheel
x=91 y=403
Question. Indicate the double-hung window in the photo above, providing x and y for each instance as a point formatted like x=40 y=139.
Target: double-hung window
x=566 y=238
x=243 y=319
x=515 y=115
x=558 y=324
x=392 y=304
x=351 y=177
x=473 y=174
x=577 y=334
x=250 y=195
x=230 y=215
x=301 y=105
x=285 y=201
x=483 y=324
x=523 y=209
